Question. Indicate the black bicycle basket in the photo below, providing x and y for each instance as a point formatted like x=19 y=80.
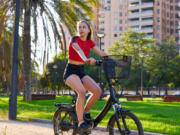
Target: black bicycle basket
x=117 y=66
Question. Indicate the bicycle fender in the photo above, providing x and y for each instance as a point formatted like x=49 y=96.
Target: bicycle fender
x=69 y=110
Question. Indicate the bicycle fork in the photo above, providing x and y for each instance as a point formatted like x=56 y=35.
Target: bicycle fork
x=118 y=113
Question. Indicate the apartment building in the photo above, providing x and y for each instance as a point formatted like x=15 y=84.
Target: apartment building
x=158 y=18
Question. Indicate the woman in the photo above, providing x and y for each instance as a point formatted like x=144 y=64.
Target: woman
x=75 y=76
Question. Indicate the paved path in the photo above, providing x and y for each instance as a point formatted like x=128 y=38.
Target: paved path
x=8 y=127
x=31 y=128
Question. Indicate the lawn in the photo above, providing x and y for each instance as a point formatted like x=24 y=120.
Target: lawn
x=155 y=115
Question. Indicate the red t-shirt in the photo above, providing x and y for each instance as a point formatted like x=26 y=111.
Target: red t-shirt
x=84 y=45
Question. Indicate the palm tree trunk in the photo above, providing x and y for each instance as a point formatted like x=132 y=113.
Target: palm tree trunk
x=27 y=52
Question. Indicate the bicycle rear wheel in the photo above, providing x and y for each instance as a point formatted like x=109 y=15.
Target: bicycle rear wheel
x=64 y=122
x=133 y=124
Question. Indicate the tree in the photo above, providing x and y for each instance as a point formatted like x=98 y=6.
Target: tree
x=53 y=75
x=162 y=62
x=175 y=72
x=14 y=76
x=5 y=49
x=68 y=13
x=6 y=33
x=137 y=45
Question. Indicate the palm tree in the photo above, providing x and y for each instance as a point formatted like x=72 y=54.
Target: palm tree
x=51 y=14
x=5 y=48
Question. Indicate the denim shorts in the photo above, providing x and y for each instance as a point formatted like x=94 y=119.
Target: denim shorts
x=74 y=69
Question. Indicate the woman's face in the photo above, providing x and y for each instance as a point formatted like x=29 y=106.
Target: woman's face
x=83 y=29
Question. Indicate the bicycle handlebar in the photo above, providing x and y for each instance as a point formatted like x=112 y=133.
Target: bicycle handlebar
x=98 y=62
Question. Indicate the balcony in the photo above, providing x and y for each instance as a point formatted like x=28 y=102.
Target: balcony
x=133 y=15
x=146 y=14
x=146 y=22
x=147 y=5
x=146 y=30
x=133 y=23
x=133 y=7
x=132 y=1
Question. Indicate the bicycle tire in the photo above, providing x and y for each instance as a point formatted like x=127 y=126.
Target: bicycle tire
x=64 y=122
x=131 y=120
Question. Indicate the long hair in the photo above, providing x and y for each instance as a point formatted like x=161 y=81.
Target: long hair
x=89 y=27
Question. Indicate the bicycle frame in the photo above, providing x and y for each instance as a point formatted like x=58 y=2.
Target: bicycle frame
x=112 y=101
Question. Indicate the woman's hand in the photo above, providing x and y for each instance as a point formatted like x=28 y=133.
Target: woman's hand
x=90 y=61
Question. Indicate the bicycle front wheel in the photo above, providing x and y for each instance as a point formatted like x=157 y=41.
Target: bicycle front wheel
x=129 y=124
x=64 y=122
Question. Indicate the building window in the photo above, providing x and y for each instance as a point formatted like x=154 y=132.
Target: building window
x=147 y=27
x=171 y=8
x=158 y=27
x=167 y=30
x=167 y=14
x=177 y=8
x=158 y=11
x=172 y=15
x=158 y=36
x=135 y=27
x=172 y=31
x=115 y=14
x=115 y=21
x=120 y=21
x=109 y=1
x=149 y=18
x=108 y=8
x=120 y=13
x=177 y=31
x=120 y=1
x=177 y=39
x=115 y=28
x=176 y=15
x=102 y=22
x=158 y=3
x=158 y=19
x=149 y=35
x=171 y=23
x=115 y=35
x=177 y=23
x=120 y=28
x=101 y=29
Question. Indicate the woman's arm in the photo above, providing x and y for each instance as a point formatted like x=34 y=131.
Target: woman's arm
x=99 y=52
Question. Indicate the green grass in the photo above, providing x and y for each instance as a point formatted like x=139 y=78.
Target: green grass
x=155 y=115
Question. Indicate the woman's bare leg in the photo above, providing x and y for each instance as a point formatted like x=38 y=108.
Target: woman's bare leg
x=91 y=86
x=75 y=83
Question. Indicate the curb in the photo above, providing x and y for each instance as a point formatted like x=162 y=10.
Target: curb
x=100 y=128
x=41 y=120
